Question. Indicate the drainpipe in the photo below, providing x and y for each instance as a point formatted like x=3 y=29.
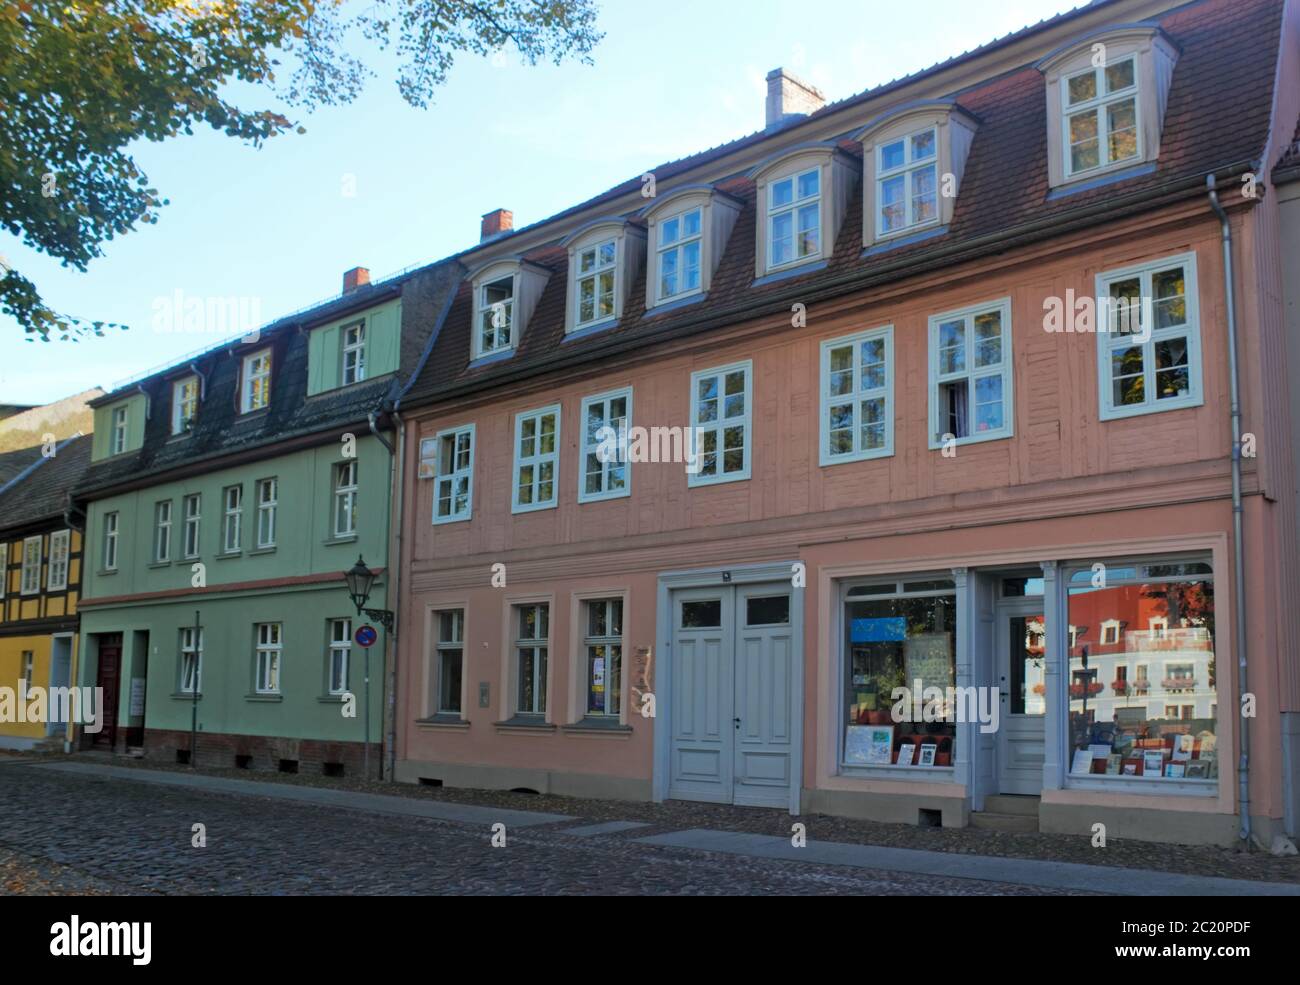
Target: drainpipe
x=1238 y=547
x=395 y=544
x=203 y=380
x=390 y=638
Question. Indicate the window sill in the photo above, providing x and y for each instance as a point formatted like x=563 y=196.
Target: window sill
x=264 y=697
x=452 y=722
x=598 y=726
x=159 y=564
x=186 y=695
x=1100 y=178
x=793 y=270
x=674 y=303
x=533 y=507
x=488 y=358
x=344 y=539
x=695 y=482
x=591 y=328
x=974 y=439
x=261 y=550
x=894 y=241
x=331 y=699
x=827 y=461
x=438 y=521
x=248 y=415
x=526 y=723
x=105 y=572
x=584 y=498
x=1159 y=785
x=225 y=555
x=1132 y=410
x=932 y=774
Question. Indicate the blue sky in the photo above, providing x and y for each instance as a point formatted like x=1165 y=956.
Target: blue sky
x=382 y=185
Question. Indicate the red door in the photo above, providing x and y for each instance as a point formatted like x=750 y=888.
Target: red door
x=110 y=674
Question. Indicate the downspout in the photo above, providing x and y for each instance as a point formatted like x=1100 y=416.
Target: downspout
x=1238 y=546
x=390 y=638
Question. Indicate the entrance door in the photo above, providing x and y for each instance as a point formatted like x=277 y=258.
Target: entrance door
x=1022 y=681
x=733 y=712
x=60 y=676
x=110 y=673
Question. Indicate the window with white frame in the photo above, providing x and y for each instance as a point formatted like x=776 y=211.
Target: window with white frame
x=191 y=665
x=268 y=657
x=192 y=505
x=1149 y=349
x=117 y=430
x=267 y=492
x=603 y=647
x=110 y=541
x=162 y=531
x=496 y=315
x=354 y=352
x=970 y=374
x=681 y=239
x=857 y=382
x=537 y=459
x=56 y=575
x=794 y=218
x=907 y=183
x=454 y=485
x=1100 y=116
x=1159 y=626
x=450 y=661
x=531 y=647
x=345 y=499
x=606 y=472
x=232 y=519
x=185 y=404
x=720 y=424
x=256 y=391
x=31 y=577
x=28 y=666
x=593 y=282
x=1109 y=632
x=340 y=655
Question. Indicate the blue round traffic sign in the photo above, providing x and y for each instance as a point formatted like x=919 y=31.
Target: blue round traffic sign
x=366 y=635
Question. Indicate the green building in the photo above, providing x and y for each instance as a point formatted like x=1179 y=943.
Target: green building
x=225 y=499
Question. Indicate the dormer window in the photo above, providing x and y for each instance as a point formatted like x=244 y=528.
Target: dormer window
x=595 y=283
x=1106 y=96
x=603 y=257
x=914 y=159
x=496 y=315
x=256 y=390
x=680 y=241
x=907 y=185
x=802 y=194
x=505 y=293
x=1101 y=117
x=118 y=433
x=689 y=228
x=185 y=404
x=354 y=352
x=794 y=218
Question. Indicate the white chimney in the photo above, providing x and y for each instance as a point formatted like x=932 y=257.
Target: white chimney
x=790 y=98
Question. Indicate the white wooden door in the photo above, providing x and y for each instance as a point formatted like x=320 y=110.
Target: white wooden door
x=703 y=739
x=733 y=714
x=1021 y=669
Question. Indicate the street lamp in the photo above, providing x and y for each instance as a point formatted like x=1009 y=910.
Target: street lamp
x=360 y=580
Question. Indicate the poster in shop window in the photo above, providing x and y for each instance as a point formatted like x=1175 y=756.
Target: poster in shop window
x=928 y=657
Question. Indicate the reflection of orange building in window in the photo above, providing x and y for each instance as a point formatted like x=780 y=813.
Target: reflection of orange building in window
x=1161 y=657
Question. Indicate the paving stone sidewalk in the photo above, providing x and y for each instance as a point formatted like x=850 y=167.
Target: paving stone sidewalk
x=672 y=816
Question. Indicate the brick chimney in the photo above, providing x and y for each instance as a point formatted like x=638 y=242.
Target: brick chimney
x=495 y=223
x=790 y=98
x=354 y=278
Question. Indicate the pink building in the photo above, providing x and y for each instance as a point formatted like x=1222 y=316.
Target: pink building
x=956 y=358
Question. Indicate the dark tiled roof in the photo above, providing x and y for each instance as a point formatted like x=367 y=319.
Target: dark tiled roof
x=1288 y=166
x=1218 y=114
x=43 y=493
x=220 y=430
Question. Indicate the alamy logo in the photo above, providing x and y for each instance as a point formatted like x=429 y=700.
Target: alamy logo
x=99 y=939
x=79 y=705
x=655 y=444
x=920 y=703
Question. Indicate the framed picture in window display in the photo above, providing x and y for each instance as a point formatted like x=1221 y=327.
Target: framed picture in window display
x=868 y=745
x=1156 y=615
x=895 y=632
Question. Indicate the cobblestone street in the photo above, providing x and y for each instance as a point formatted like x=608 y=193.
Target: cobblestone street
x=78 y=834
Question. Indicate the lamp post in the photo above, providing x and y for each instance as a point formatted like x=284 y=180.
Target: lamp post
x=360 y=580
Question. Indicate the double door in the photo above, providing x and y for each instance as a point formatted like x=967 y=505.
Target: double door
x=733 y=716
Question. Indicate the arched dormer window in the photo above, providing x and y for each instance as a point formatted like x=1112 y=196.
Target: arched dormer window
x=687 y=232
x=913 y=158
x=1106 y=96
x=505 y=292
x=603 y=258
x=802 y=194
